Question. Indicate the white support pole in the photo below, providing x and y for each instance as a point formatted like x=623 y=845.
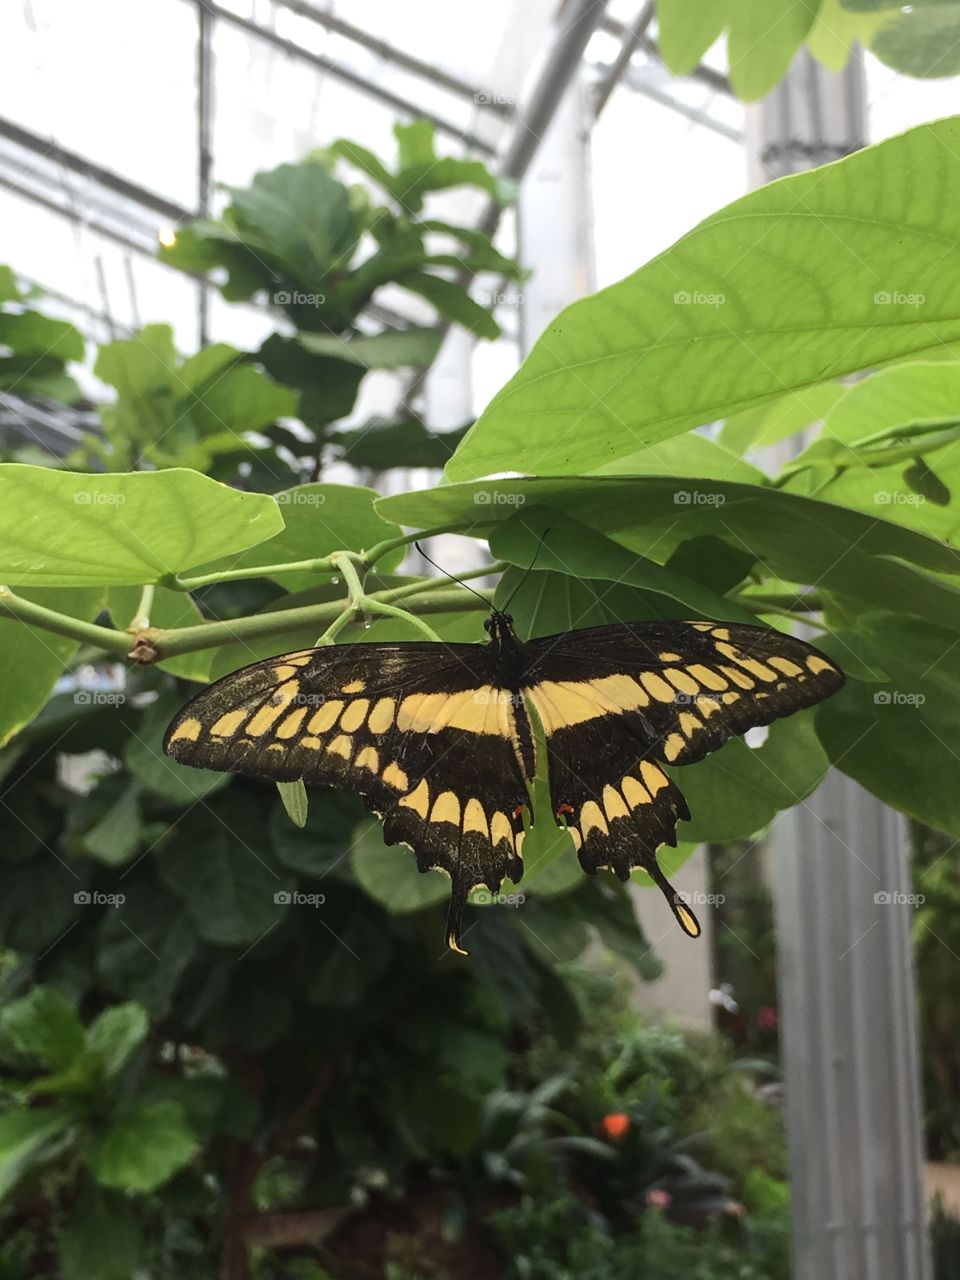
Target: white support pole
x=841 y=884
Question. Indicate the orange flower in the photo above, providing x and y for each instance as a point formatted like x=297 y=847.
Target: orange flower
x=615 y=1125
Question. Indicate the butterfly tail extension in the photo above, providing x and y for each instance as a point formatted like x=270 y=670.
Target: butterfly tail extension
x=686 y=919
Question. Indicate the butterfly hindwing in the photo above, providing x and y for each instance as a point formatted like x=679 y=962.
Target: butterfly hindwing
x=422 y=733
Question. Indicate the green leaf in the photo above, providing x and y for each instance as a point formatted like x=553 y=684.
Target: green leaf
x=101 y=1238
x=157 y=772
x=575 y=549
x=300 y=215
x=143 y=1147
x=241 y=400
x=233 y=894
x=31 y=333
x=322 y=844
x=37 y=905
x=60 y=528
x=764 y=36
x=390 y=876
x=686 y=31
x=894 y=733
x=452 y=301
x=144 y=947
x=687 y=455
x=294 y=798
x=770 y=297
x=32 y=659
x=381 y=444
x=116 y=837
x=318 y=519
x=115 y=1034
x=906 y=395
x=399 y=349
x=836 y=30
x=44 y=1025
x=738 y=790
x=27 y=1139
x=922 y=40
x=772 y=422
x=795 y=538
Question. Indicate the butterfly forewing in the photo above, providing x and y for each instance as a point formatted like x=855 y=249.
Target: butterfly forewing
x=421 y=732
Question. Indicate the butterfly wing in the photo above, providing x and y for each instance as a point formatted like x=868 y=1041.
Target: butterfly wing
x=619 y=702
x=421 y=732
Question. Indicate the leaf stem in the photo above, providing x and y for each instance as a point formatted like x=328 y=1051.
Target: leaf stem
x=62 y=624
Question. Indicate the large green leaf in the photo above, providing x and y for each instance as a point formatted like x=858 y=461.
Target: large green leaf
x=101 y=1238
x=26 y=1139
x=768 y=295
x=143 y=1146
x=44 y=1025
x=318 y=519
x=922 y=40
x=390 y=875
x=764 y=35
x=60 y=528
x=686 y=31
x=899 y=735
x=115 y=1034
x=794 y=538
x=33 y=659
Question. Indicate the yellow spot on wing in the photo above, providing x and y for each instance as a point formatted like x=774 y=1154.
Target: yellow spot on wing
x=688 y=921
x=419 y=799
x=681 y=680
x=326 y=717
x=355 y=686
x=474 y=819
x=613 y=804
x=670 y=657
x=229 y=723
x=341 y=746
x=634 y=792
x=292 y=723
x=272 y=711
x=657 y=687
x=381 y=717
x=285 y=671
x=591 y=818
x=673 y=746
x=354 y=716
x=709 y=678
x=738 y=677
x=654 y=778
x=817 y=664
x=500 y=828
x=689 y=724
x=312 y=744
x=786 y=666
x=368 y=759
x=446 y=808
x=188 y=730
x=394 y=776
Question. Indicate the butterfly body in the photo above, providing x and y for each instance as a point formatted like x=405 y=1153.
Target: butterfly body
x=439 y=741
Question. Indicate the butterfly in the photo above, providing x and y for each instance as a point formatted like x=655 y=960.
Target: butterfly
x=438 y=740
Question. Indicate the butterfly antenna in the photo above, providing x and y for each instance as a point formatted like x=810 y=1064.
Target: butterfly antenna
x=458 y=581
x=526 y=571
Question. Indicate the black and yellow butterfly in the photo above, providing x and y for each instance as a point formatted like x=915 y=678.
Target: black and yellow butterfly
x=437 y=739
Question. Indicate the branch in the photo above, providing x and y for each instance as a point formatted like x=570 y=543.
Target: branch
x=35 y=615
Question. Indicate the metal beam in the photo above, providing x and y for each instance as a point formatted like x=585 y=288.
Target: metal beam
x=613 y=74
x=76 y=163
x=390 y=53
x=204 y=142
x=340 y=72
